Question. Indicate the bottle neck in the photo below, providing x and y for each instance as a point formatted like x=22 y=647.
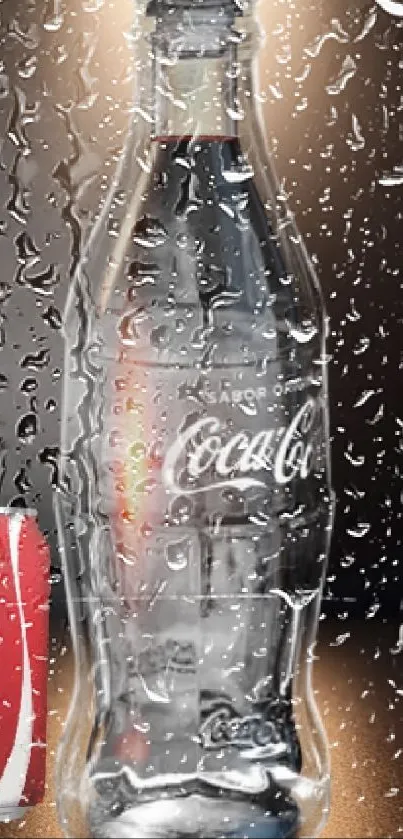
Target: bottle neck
x=195 y=97
x=200 y=66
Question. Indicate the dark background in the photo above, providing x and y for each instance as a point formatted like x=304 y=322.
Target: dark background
x=330 y=87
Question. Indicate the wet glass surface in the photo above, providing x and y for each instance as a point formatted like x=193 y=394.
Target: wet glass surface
x=330 y=88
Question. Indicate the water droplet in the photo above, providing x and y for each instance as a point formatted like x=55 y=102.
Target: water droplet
x=43 y=283
x=177 y=554
x=36 y=361
x=137 y=451
x=347 y=561
x=341 y=639
x=149 y=232
x=182 y=240
x=54 y=18
x=371 y=612
x=367 y=25
x=229 y=211
x=146 y=529
x=361 y=530
x=5 y=291
x=377 y=416
x=27 y=67
x=160 y=337
x=29 y=37
x=355 y=461
x=115 y=439
x=347 y=71
x=91 y=6
x=364 y=398
x=236 y=114
x=237 y=176
x=145 y=163
x=248 y=408
x=304 y=331
x=302 y=77
x=399 y=644
x=52 y=317
x=27 y=252
x=50 y=456
x=113 y=227
x=29 y=385
x=181 y=510
x=361 y=346
x=353 y=315
x=336 y=33
x=27 y=428
x=357 y=141
x=276 y=91
x=180 y=325
x=394 y=179
x=126 y=329
x=141 y=273
x=4 y=85
x=22 y=482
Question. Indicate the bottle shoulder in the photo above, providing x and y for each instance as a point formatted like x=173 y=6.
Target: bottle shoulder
x=201 y=261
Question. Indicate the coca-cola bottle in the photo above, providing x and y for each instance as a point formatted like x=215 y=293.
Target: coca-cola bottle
x=195 y=504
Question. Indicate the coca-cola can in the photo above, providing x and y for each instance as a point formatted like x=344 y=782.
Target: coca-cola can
x=24 y=630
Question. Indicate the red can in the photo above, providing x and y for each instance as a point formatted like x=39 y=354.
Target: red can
x=24 y=630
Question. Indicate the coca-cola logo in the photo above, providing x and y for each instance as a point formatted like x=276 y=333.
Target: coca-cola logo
x=223 y=728
x=286 y=453
x=172 y=655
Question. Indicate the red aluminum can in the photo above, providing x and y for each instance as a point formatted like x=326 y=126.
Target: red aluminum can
x=24 y=630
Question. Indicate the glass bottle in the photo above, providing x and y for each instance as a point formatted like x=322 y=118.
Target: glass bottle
x=195 y=503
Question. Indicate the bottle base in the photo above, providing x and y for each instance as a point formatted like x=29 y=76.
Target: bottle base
x=196 y=817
